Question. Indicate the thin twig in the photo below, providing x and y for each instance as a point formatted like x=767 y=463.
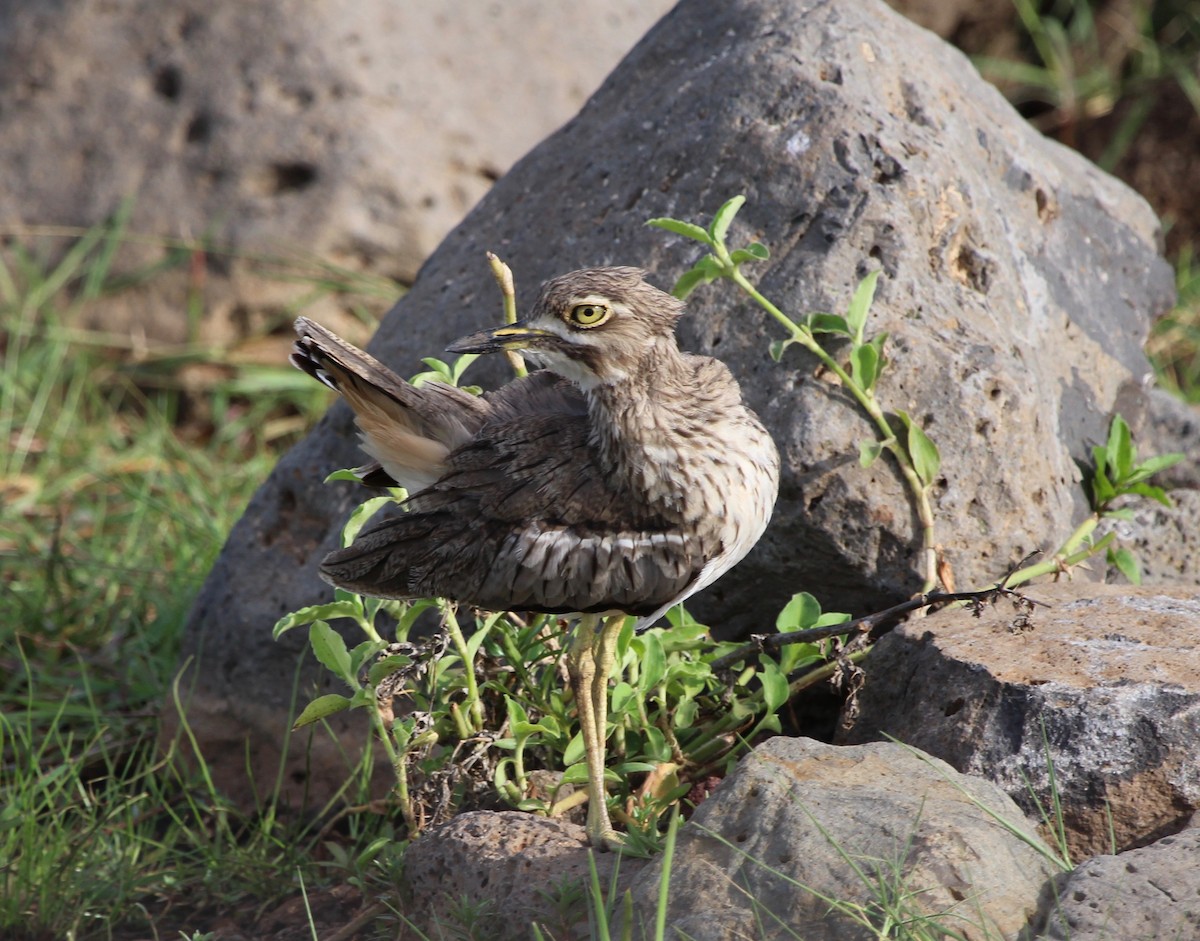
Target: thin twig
x=768 y=643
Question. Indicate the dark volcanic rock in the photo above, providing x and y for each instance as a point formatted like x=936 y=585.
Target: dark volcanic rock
x=1018 y=282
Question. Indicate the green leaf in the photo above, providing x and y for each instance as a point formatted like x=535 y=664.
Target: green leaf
x=345 y=608
x=331 y=651
x=1152 y=465
x=321 y=707
x=777 y=348
x=361 y=515
x=724 y=217
x=475 y=641
x=516 y=712
x=415 y=609
x=573 y=755
x=1127 y=564
x=346 y=473
x=1103 y=492
x=768 y=723
x=438 y=371
x=653 y=662
x=927 y=461
x=685 y=714
x=683 y=636
x=1119 y=449
x=362 y=653
x=829 y=323
x=794 y=656
x=382 y=669
x=860 y=305
x=622 y=698
x=922 y=451
x=864 y=366
x=868 y=452
x=692 y=279
x=656 y=747
x=460 y=367
x=798 y=614
x=678 y=616
x=679 y=227
x=1150 y=492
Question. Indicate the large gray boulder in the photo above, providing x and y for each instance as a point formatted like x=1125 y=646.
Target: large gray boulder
x=354 y=133
x=1018 y=283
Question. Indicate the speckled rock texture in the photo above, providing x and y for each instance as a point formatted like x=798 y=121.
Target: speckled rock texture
x=1147 y=894
x=797 y=823
x=1105 y=684
x=520 y=868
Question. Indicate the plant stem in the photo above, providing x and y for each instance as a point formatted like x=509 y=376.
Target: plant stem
x=869 y=404
x=1075 y=550
x=398 y=759
x=474 y=703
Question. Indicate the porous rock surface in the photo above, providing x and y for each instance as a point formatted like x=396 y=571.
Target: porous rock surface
x=800 y=822
x=766 y=851
x=521 y=868
x=1018 y=282
x=1102 y=689
x=356 y=133
x=1147 y=894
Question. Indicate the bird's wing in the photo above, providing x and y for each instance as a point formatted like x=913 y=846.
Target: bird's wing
x=408 y=430
x=524 y=519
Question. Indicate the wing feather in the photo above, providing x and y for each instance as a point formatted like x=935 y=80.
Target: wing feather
x=523 y=518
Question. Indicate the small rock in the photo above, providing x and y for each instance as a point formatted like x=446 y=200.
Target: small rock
x=1147 y=894
x=514 y=869
x=799 y=824
x=1105 y=685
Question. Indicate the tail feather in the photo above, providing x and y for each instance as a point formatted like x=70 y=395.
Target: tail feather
x=408 y=430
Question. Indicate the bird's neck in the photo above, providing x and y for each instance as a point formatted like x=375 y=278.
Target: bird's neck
x=646 y=425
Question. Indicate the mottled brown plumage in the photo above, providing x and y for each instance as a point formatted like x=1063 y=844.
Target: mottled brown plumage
x=621 y=479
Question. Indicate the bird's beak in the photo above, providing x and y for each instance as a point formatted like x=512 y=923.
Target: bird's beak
x=515 y=336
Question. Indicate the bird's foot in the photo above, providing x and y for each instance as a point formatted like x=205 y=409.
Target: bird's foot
x=606 y=839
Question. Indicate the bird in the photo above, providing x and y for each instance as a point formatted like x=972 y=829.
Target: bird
x=618 y=479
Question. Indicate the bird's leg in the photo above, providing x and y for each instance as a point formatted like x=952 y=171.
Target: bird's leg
x=605 y=645
x=591 y=691
x=605 y=649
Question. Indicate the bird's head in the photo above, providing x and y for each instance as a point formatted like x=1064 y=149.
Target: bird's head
x=595 y=326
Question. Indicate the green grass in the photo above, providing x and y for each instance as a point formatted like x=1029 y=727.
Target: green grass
x=118 y=493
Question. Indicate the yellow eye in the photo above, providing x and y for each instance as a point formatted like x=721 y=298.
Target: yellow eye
x=589 y=315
